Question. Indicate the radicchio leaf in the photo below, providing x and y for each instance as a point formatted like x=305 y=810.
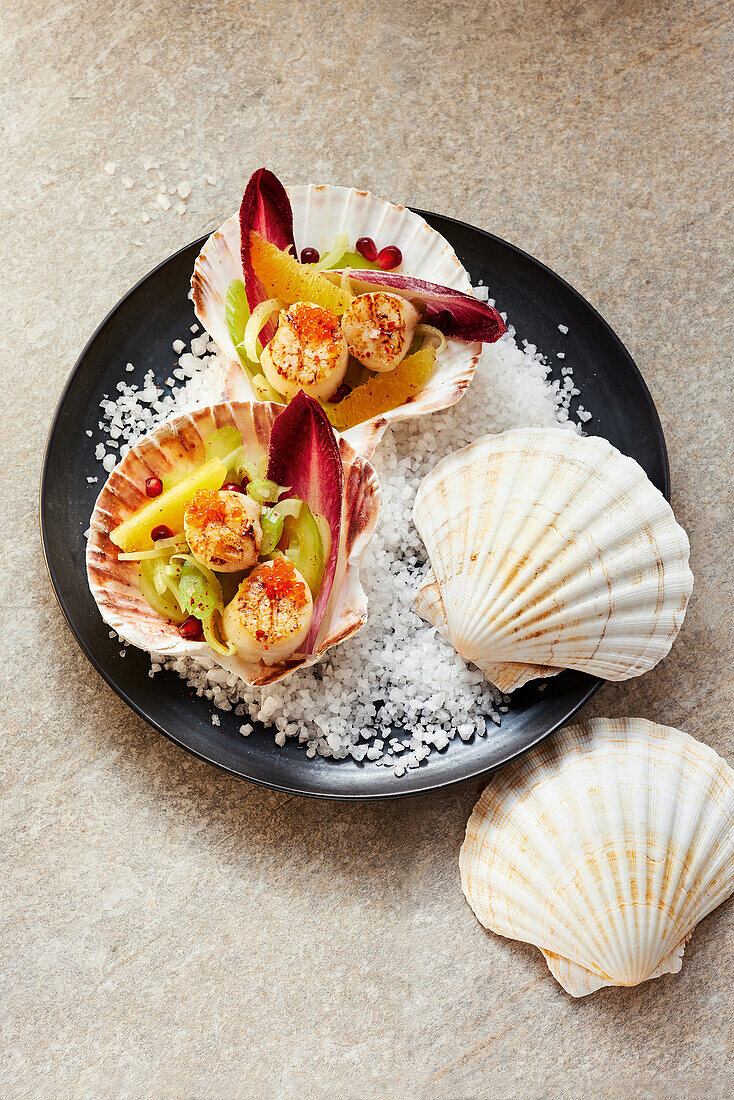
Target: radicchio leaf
x=266 y=208
x=305 y=455
x=454 y=312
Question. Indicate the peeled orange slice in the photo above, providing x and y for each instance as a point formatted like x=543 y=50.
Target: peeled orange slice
x=383 y=391
x=283 y=277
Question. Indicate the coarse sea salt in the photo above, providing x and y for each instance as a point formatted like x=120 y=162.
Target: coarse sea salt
x=396 y=674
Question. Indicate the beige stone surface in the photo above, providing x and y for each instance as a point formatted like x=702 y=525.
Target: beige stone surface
x=168 y=931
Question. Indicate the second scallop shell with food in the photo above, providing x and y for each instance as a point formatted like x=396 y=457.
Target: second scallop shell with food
x=320 y=213
x=548 y=551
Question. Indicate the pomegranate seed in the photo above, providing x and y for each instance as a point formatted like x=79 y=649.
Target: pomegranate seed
x=161 y=532
x=367 y=248
x=153 y=487
x=232 y=487
x=390 y=257
x=191 y=628
x=309 y=256
x=343 y=391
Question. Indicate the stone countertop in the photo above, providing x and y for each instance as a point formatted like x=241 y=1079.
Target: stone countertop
x=169 y=931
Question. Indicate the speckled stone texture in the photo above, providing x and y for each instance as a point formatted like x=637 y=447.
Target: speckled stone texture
x=169 y=931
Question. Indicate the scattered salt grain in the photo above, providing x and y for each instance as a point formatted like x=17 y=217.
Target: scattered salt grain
x=410 y=681
x=109 y=463
x=216 y=720
x=92 y=480
x=127 y=183
x=163 y=201
x=563 y=329
x=181 y=208
x=184 y=189
x=211 y=180
x=89 y=432
x=110 y=168
x=560 y=355
x=129 y=368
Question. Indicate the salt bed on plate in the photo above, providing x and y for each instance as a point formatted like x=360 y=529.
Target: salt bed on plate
x=397 y=671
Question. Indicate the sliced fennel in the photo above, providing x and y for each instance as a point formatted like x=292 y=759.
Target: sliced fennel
x=254 y=326
x=429 y=331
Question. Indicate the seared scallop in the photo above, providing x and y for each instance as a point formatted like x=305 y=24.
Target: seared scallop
x=308 y=352
x=379 y=329
x=223 y=529
x=270 y=615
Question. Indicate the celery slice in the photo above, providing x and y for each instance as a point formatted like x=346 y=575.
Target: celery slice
x=223 y=443
x=236 y=310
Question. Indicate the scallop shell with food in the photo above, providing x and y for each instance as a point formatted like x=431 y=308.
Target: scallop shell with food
x=320 y=213
x=604 y=847
x=174 y=448
x=551 y=550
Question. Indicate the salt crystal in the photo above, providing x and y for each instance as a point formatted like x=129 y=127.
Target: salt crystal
x=211 y=180
x=563 y=329
x=181 y=208
x=127 y=183
x=163 y=201
x=184 y=189
x=129 y=368
x=178 y=346
x=216 y=720
x=110 y=168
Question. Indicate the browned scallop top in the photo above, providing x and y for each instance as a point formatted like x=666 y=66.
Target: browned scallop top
x=374 y=327
x=307 y=344
x=270 y=600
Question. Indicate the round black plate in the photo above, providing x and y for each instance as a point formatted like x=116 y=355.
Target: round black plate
x=141 y=330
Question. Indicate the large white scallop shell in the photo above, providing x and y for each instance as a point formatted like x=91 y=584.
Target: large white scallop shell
x=604 y=847
x=551 y=550
x=179 y=444
x=319 y=214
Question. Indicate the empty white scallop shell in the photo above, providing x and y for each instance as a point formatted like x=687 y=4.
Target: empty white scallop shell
x=551 y=550
x=604 y=847
x=179 y=445
x=319 y=214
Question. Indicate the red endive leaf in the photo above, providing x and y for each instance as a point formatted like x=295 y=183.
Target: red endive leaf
x=266 y=208
x=305 y=455
x=454 y=312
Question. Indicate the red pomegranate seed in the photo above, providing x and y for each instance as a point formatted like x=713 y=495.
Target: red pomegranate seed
x=153 y=487
x=367 y=248
x=390 y=257
x=309 y=256
x=161 y=532
x=232 y=487
x=343 y=391
x=191 y=628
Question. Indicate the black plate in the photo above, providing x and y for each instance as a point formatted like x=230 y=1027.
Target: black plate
x=141 y=330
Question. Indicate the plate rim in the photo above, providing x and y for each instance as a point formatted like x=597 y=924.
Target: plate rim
x=331 y=796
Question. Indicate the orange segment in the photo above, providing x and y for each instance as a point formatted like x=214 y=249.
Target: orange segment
x=283 y=277
x=383 y=391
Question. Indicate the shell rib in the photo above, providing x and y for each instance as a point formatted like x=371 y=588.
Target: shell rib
x=551 y=550
x=319 y=214
x=179 y=445
x=604 y=847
